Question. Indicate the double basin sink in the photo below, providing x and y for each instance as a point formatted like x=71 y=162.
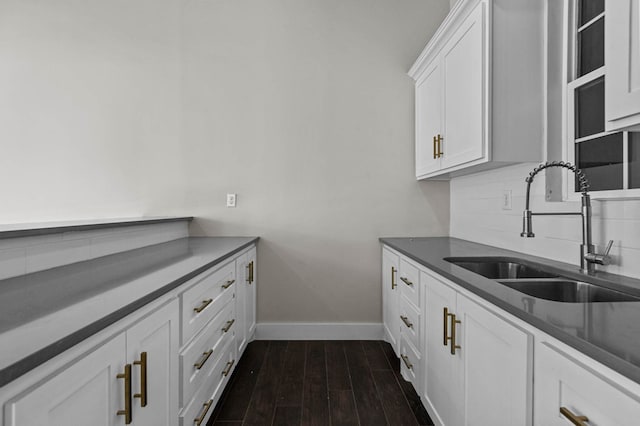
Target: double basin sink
x=537 y=281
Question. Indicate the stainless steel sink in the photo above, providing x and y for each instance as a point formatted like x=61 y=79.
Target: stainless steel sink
x=498 y=268
x=567 y=290
x=536 y=281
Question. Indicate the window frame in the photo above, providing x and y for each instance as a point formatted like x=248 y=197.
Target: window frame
x=571 y=82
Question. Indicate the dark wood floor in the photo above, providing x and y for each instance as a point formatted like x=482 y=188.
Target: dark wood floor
x=319 y=383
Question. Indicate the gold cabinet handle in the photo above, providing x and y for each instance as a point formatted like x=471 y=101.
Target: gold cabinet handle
x=227 y=369
x=205 y=356
x=576 y=420
x=127 y=394
x=228 y=284
x=435 y=150
x=227 y=326
x=454 y=321
x=198 y=420
x=405 y=359
x=394 y=284
x=203 y=305
x=406 y=281
x=440 y=153
x=406 y=321
x=250 y=274
x=445 y=320
x=143 y=379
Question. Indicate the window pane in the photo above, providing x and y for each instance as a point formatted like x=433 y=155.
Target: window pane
x=591 y=48
x=589 y=9
x=634 y=160
x=590 y=108
x=601 y=161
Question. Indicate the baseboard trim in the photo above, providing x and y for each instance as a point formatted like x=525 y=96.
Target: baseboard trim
x=319 y=331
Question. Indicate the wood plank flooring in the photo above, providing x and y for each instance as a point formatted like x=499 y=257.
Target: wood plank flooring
x=338 y=383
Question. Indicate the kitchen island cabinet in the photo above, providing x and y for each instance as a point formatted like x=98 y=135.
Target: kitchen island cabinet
x=129 y=367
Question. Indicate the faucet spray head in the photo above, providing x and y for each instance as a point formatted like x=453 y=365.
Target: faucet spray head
x=527 y=225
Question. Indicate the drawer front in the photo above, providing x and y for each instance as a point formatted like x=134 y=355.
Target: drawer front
x=409 y=363
x=410 y=322
x=205 y=299
x=563 y=383
x=409 y=282
x=205 y=399
x=199 y=358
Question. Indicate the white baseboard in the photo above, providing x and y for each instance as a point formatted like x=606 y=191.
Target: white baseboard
x=319 y=331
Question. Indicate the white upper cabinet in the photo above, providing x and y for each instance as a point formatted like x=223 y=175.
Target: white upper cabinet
x=480 y=89
x=622 y=60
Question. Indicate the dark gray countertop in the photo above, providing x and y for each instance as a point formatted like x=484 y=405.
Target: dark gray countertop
x=30 y=303
x=608 y=332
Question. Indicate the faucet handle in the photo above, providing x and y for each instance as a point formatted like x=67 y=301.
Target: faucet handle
x=600 y=259
x=608 y=249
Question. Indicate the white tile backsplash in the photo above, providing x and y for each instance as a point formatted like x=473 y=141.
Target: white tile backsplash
x=477 y=215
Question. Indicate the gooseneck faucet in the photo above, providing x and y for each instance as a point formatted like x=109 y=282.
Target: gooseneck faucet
x=588 y=257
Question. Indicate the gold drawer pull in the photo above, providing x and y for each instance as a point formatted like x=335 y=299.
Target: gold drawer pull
x=406 y=361
x=205 y=356
x=143 y=379
x=250 y=274
x=576 y=420
x=227 y=369
x=454 y=321
x=406 y=281
x=228 y=325
x=440 y=153
x=198 y=420
x=228 y=284
x=394 y=284
x=406 y=321
x=127 y=394
x=445 y=333
x=202 y=307
x=435 y=150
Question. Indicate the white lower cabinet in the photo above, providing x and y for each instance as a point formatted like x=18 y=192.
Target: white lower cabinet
x=571 y=389
x=391 y=298
x=477 y=363
x=163 y=365
x=131 y=379
x=469 y=364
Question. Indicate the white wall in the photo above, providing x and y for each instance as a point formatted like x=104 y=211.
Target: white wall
x=89 y=108
x=477 y=215
x=304 y=109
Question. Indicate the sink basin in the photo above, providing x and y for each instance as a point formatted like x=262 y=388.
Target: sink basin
x=498 y=268
x=567 y=291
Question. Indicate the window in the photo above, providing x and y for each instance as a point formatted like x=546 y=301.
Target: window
x=610 y=160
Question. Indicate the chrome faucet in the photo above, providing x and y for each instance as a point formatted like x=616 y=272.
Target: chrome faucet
x=588 y=257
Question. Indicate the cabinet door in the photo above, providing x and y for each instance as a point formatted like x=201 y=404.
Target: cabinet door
x=243 y=287
x=439 y=375
x=622 y=58
x=251 y=294
x=494 y=355
x=464 y=75
x=562 y=382
x=86 y=393
x=156 y=338
x=391 y=298
x=428 y=119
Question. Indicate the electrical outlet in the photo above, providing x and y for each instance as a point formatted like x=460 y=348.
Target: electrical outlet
x=506 y=199
x=231 y=200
